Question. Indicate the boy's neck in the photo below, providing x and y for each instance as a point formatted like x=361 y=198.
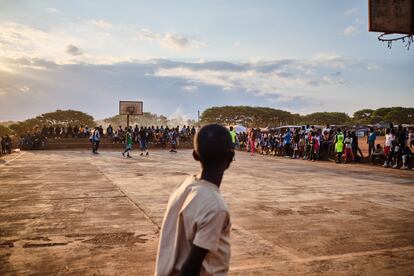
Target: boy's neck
x=213 y=175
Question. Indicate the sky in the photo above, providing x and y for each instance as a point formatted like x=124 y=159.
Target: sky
x=179 y=57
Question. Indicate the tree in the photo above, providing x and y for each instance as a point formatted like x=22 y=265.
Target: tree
x=65 y=118
x=5 y=131
x=58 y=117
x=323 y=118
x=363 y=116
x=248 y=116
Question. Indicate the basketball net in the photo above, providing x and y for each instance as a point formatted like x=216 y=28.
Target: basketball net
x=407 y=40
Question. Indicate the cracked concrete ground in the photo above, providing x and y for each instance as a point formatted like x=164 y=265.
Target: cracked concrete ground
x=70 y=212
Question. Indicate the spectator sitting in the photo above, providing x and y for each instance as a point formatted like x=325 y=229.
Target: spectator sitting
x=377 y=156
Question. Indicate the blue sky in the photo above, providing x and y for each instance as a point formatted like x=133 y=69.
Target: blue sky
x=183 y=56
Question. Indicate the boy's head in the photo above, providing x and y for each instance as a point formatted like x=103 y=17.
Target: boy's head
x=213 y=146
x=231 y=128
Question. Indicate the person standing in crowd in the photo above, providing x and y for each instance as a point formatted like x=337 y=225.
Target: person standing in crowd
x=233 y=135
x=339 y=145
x=372 y=136
x=95 y=139
x=349 y=156
x=402 y=136
x=195 y=232
x=128 y=143
x=355 y=147
x=296 y=138
x=3 y=145
x=252 y=138
x=411 y=138
x=173 y=135
x=287 y=139
x=109 y=131
x=143 y=140
x=389 y=142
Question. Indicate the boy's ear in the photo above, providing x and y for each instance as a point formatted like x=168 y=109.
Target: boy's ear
x=196 y=156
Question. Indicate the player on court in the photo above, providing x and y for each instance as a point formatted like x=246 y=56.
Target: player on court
x=195 y=233
x=128 y=143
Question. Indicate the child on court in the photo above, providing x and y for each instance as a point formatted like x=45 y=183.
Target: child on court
x=196 y=227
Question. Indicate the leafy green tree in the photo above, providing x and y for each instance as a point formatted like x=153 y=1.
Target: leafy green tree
x=248 y=116
x=323 y=118
x=58 y=117
x=5 y=131
x=363 y=116
x=65 y=118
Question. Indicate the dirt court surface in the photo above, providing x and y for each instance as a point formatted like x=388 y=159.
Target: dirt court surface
x=70 y=212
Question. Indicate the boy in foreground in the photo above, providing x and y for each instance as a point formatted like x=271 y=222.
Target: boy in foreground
x=195 y=233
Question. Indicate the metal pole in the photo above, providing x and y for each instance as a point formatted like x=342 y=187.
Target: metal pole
x=198 y=118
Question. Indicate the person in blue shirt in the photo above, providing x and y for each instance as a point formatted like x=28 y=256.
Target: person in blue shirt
x=287 y=140
x=372 y=136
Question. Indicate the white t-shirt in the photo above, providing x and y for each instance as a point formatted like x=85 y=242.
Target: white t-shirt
x=389 y=138
x=196 y=214
x=348 y=142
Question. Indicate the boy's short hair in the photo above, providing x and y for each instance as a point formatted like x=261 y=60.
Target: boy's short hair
x=213 y=144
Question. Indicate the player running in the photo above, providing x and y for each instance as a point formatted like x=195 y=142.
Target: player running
x=128 y=143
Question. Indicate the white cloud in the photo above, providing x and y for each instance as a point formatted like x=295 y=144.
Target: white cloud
x=171 y=41
x=52 y=10
x=101 y=42
x=351 y=12
x=279 y=77
x=190 y=88
x=24 y=89
x=328 y=59
x=100 y=23
x=351 y=30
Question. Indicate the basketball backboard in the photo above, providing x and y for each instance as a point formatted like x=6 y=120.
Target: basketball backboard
x=391 y=16
x=131 y=108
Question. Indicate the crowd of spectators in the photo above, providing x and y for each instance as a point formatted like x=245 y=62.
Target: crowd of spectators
x=143 y=136
x=158 y=136
x=311 y=143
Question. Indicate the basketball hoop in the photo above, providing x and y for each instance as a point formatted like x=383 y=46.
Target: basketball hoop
x=407 y=39
x=130 y=108
x=394 y=19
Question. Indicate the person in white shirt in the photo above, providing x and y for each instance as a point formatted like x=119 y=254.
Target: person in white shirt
x=389 y=142
x=195 y=233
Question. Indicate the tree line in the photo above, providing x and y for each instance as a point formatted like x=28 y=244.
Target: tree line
x=244 y=115
x=269 y=117
x=64 y=118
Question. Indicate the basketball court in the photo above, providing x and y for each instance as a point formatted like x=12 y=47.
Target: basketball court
x=76 y=213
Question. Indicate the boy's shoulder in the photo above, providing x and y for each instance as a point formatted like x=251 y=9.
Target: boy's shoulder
x=202 y=193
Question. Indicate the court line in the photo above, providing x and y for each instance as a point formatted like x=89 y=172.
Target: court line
x=136 y=204
x=8 y=161
x=354 y=254
x=61 y=198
